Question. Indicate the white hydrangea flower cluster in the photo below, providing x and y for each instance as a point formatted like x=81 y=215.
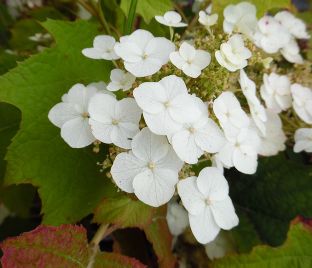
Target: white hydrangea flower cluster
x=179 y=128
x=273 y=34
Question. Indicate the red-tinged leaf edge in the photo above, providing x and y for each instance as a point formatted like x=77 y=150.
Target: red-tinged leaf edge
x=112 y=259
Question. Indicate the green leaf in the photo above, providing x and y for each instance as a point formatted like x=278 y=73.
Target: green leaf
x=262 y=6
x=295 y=253
x=158 y=234
x=63 y=246
x=70 y=184
x=280 y=190
x=148 y=9
x=124 y=211
x=244 y=236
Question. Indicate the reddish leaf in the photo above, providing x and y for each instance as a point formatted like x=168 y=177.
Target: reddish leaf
x=63 y=246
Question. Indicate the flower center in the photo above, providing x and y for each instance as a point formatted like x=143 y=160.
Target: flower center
x=144 y=56
x=85 y=115
x=191 y=129
x=167 y=104
x=208 y=201
x=115 y=122
x=151 y=165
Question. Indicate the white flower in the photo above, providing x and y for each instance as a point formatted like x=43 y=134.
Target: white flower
x=271 y=36
x=273 y=140
x=294 y=25
x=177 y=218
x=209 y=206
x=302 y=102
x=233 y=54
x=275 y=91
x=166 y=104
x=291 y=52
x=171 y=19
x=303 y=140
x=114 y=121
x=202 y=135
x=257 y=110
x=190 y=60
x=240 y=18
x=150 y=169
x=120 y=80
x=241 y=150
x=206 y=19
x=229 y=112
x=103 y=48
x=144 y=54
x=71 y=115
x=219 y=247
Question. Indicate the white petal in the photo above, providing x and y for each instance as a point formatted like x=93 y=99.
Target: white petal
x=226 y=154
x=159 y=48
x=141 y=38
x=224 y=213
x=203 y=226
x=185 y=146
x=80 y=95
x=155 y=188
x=103 y=42
x=128 y=51
x=210 y=138
x=212 y=184
x=150 y=96
x=173 y=86
x=102 y=108
x=177 y=60
x=187 y=51
x=148 y=146
x=144 y=67
x=62 y=112
x=161 y=123
x=183 y=109
x=202 y=59
x=192 y=199
x=77 y=133
x=177 y=218
x=170 y=161
x=92 y=53
x=191 y=70
x=245 y=163
x=125 y=167
x=101 y=131
x=127 y=110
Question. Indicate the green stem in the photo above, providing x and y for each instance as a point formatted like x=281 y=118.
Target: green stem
x=171 y=33
x=102 y=17
x=131 y=16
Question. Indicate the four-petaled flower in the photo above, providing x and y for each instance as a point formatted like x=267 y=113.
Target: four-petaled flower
x=150 y=169
x=202 y=135
x=233 y=54
x=142 y=53
x=302 y=102
x=275 y=91
x=171 y=19
x=71 y=115
x=103 y=48
x=190 y=60
x=120 y=80
x=206 y=19
x=166 y=104
x=114 y=121
x=207 y=201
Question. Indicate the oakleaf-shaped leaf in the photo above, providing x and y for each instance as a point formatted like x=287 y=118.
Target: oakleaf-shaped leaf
x=123 y=211
x=63 y=246
x=69 y=181
x=295 y=252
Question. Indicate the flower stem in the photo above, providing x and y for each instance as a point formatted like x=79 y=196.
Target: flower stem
x=171 y=33
x=98 y=237
x=130 y=18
